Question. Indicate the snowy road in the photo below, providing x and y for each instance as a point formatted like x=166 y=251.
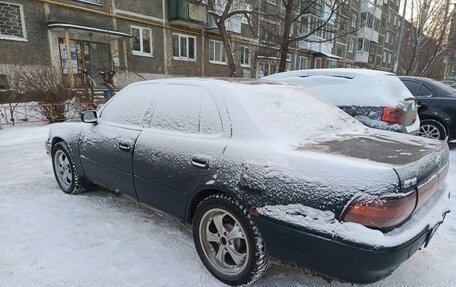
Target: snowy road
x=48 y=238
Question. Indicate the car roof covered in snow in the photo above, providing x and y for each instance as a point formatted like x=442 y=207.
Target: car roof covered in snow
x=221 y=81
x=339 y=72
x=270 y=108
x=349 y=87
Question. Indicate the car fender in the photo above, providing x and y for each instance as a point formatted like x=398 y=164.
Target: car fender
x=70 y=134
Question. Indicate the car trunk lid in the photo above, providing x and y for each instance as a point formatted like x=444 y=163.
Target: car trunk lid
x=418 y=162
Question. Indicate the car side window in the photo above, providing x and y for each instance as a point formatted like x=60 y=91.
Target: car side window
x=129 y=106
x=210 y=122
x=425 y=92
x=412 y=86
x=186 y=108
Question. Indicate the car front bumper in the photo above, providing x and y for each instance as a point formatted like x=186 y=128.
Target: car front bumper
x=358 y=261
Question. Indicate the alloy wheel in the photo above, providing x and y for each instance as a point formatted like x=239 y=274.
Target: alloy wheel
x=429 y=131
x=224 y=242
x=63 y=169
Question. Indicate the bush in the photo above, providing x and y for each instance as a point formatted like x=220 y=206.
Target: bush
x=51 y=89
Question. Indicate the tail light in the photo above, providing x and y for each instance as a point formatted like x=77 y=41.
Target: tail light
x=380 y=213
x=394 y=115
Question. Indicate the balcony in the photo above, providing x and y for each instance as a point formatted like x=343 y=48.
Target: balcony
x=183 y=12
x=370 y=7
x=362 y=57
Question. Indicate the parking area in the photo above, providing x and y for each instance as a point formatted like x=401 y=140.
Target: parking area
x=49 y=238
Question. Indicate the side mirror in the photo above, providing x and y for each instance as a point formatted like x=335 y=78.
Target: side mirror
x=89 y=117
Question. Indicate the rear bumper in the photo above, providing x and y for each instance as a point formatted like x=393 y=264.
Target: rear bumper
x=414 y=129
x=48 y=146
x=347 y=261
x=366 y=259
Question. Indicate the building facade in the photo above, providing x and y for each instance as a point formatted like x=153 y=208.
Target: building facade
x=150 y=39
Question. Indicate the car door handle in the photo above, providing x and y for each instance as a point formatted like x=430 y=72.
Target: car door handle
x=421 y=105
x=200 y=161
x=124 y=146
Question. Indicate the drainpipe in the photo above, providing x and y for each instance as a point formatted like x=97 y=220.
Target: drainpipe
x=165 y=42
x=202 y=52
x=70 y=60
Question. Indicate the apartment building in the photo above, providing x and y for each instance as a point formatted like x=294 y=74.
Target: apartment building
x=150 y=39
x=373 y=46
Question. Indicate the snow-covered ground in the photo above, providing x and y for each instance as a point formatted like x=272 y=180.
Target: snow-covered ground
x=48 y=238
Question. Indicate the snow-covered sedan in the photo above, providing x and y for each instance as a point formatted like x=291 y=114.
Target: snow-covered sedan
x=257 y=171
x=375 y=98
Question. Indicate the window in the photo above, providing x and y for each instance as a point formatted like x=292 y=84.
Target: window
x=184 y=47
x=387 y=37
x=350 y=46
x=354 y=20
x=360 y=45
x=245 y=57
x=289 y=62
x=412 y=86
x=389 y=58
x=12 y=25
x=303 y=62
x=96 y=2
x=129 y=106
x=318 y=63
x=210 y=123
x=384 y=57
x=217 y=54
x=187 y=109
x=246 y=7
x=373 y=47
x=142 y=41
x=363 y=45
x=425 y=92
x=4 y=86
x=332 y=63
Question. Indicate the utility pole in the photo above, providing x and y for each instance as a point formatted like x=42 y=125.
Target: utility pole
x=401 y=35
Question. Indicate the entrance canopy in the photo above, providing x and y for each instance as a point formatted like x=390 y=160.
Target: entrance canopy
x=78 y=28
x=324 y=54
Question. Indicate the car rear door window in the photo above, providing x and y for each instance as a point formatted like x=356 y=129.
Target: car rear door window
x=412 y=86
x=425 y=92
x=186 y=108
x=210 y=122
x=129 y=106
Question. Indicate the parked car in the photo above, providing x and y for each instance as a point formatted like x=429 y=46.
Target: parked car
x=377 y=99
x=436 y=107
x=257 y=171
x=450 y=83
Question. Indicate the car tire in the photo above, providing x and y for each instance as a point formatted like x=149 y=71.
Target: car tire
x=433 y=129
x=65 y=171
x=228 y=242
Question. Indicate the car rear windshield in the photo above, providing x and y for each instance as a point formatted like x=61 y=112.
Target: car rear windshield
x=293 y=112
x=445 y=89
x=363 y=90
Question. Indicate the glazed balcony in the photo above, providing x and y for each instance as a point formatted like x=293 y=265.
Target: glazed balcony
x=184 y=12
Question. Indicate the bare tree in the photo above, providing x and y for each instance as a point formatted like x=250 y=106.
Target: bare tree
x=225 y=13
x=427 y=35
x=14 y=91
x=50 y=88
x=309 y=18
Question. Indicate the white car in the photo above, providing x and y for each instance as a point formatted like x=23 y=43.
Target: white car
x=377 y=99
